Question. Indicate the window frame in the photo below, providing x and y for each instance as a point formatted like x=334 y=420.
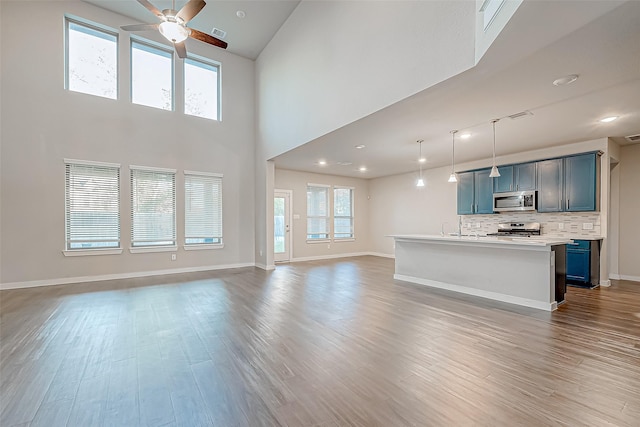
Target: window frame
x=352 y=216
x=327 y=217
x=68 y=251
x=95 y=27
x=202 y=246
x=209 y=63
x=133 y=39
x=153 y=248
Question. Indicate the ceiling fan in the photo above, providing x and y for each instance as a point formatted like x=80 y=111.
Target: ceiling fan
x=174 y=25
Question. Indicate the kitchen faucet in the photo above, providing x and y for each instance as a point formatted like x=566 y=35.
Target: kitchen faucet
x=459 y=225
x=442 y=233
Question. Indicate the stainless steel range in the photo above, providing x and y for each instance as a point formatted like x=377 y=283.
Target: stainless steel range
x=522 y=229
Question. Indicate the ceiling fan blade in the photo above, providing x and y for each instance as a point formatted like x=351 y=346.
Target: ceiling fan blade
x=191 y=9
x=181 y=49
x=151 y=8
x=204 y=37
x=140 y=27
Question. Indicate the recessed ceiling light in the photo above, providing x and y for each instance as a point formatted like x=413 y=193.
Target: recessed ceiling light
x=422 y=159
x=465 y=136
x=566 y=80
x=608 y=119
x=363 y=169
x=322 y=162
x=360 y=147
x=240 y=14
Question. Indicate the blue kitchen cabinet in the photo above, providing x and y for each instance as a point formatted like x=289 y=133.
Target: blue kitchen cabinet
x=525 y=176
x=583 y=262
x=578 y=266
x=465 y=193
x=504 y=183
x=550 y=185
x=475 y=192
x=580 y=182
x=483 y=187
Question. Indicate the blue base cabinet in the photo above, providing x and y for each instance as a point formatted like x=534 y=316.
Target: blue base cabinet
x=583 y=263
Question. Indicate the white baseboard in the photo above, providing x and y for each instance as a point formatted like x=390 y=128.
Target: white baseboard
x=540 y=305
x=605 y=283
x=335 y=256
x=380 y=254
x=100 y=278
x=614 y=276
x=625 y=277
x=266 y=267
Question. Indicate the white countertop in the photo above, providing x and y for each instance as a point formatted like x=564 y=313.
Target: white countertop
x=538 y=241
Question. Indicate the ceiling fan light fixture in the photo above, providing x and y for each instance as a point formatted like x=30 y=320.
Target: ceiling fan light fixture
x=173 y=31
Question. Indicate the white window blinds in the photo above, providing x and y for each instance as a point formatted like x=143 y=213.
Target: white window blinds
x=342 y=213
x=92 y=205
x=317 y=212
x=203 y=208
x=153 y=207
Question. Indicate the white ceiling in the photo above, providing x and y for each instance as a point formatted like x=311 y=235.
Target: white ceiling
x=246 y=37
x=604 y=53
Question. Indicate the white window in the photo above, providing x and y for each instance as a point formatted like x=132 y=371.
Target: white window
x=201 y=89
x=317 y=212
x=151 y=76
x=489 y=10
x=202 y=208
x=342 y=213
x=153 y=207
x=91 y=60
x=92 y=205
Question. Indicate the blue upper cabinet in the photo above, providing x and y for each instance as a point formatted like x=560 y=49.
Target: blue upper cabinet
x=466 y=201
x=483 y=192
x=550 y=185
x=504 y=183
x=580 y=183
x=525 y=176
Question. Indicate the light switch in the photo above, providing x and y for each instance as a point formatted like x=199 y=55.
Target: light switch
x=296 y=216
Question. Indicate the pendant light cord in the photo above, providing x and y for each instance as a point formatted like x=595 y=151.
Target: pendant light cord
x=453 y=151
x=494 y=140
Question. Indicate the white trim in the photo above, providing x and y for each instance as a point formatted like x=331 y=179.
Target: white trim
x=91 y=163
x=540 y=305
x=318 y=240
x=318 y=185
x=217 y=175
x=320 y=257
x=380 y=254
x=626 y=277
x=146 y=249
x=346 y=239
x=151 y=169
x=99 y=278
x=203 y=246
x=87 y=252
x=614 y=276
x=265 y=267
x=289 y=232
x=605 y=283
x=344 y=187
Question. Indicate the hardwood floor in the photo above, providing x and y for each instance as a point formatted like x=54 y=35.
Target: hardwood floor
x=331 y=343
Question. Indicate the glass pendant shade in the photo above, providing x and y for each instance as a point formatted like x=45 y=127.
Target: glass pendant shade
x=494 y=172
x=420 y=182
x=452 y=178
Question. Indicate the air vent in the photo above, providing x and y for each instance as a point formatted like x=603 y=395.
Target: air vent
x=217 y=32
x=345 y=163
x=520 y=115
x=633 y=138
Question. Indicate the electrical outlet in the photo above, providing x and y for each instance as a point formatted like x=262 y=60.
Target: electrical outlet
x=561 y=226
x=478 y=224
x=174 y=257
x=587 y=226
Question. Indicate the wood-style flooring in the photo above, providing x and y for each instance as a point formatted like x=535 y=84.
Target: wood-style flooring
x=330 y=343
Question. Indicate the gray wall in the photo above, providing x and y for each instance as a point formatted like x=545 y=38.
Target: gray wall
x=43 y=124
x=629 y=261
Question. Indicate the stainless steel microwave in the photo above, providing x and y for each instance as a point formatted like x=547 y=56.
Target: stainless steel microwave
x=515 y=201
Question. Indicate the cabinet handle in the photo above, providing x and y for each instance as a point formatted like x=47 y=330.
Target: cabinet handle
x=471 y=207
x=567 y=203
x=510 y=187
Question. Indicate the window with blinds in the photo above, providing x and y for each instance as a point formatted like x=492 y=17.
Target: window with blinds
x=343 y=213
x=153 y=207
x=203 y=208
x=92 y=205
x=317 y=212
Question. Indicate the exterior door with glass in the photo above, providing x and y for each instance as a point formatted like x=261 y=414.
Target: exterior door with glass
x=281 y=225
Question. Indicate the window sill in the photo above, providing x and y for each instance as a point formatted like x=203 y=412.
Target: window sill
x=147 y=249
x=318 y=241
x=349 y=239
x=203 y=247
x=88 y=252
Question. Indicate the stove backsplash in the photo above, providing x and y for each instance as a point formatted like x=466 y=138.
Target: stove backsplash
x=575 y=224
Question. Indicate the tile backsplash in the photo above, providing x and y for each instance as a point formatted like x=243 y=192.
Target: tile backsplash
x=561 y=224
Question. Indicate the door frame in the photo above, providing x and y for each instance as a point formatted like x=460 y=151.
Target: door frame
x=288 y=239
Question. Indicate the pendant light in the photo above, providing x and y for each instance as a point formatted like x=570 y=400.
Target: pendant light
x=494 y=170
x=420 y=182
x=452 y=177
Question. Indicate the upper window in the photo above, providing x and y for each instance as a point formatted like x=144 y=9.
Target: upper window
x=91 y=60
x=153 y=207
x=317 y=212
x=489 y=10
x=92 y=205
x=151 y=76
x=202 y=208
x=343 y=213
x=201 y=89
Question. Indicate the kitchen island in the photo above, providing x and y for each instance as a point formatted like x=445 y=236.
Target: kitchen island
x=518 y=270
